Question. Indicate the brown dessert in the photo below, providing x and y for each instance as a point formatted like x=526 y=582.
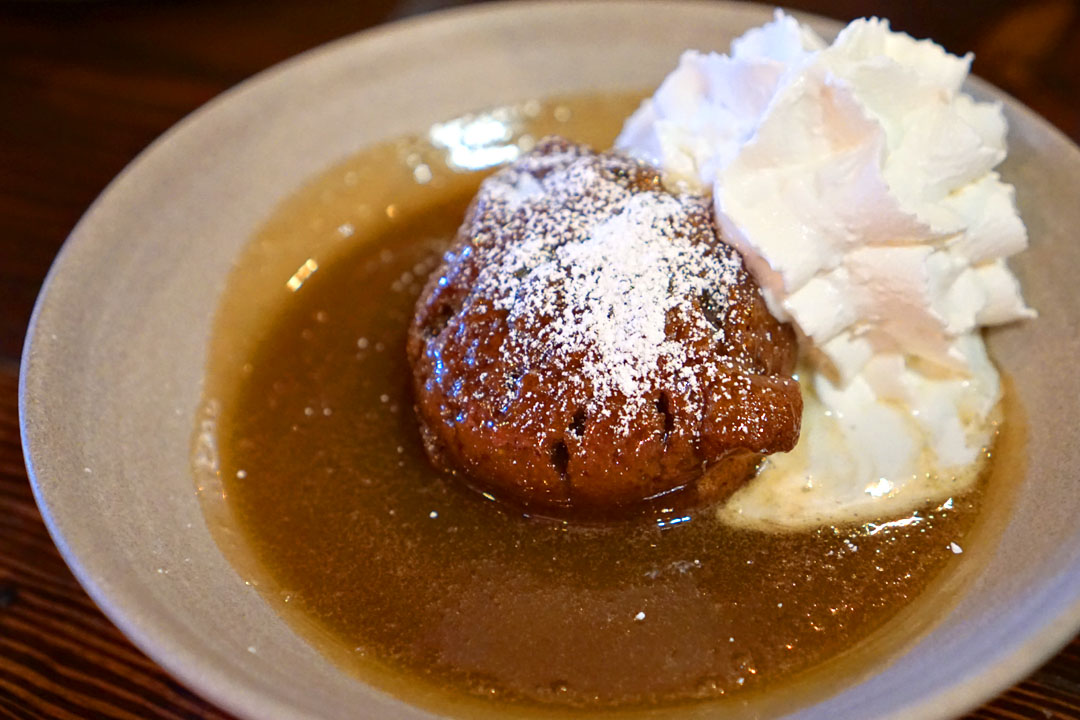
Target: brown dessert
x=589 y=342
x=324 y=499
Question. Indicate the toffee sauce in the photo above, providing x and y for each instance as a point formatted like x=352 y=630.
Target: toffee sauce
x=353 y=533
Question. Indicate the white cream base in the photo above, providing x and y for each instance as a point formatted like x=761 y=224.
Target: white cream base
x=869 y=453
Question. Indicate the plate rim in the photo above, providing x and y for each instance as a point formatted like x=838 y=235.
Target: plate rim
x=1011 y=663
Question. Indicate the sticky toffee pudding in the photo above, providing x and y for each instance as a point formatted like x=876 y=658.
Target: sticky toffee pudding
x=328 y=486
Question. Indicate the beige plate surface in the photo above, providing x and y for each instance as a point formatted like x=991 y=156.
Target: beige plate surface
x=113 y=363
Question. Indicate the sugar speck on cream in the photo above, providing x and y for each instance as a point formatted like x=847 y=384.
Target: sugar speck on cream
x=857 y=179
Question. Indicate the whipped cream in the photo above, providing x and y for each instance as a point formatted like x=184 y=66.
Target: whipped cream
x=858 y=182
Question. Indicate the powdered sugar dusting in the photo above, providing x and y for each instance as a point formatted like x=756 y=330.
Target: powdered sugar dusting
x=598 y=271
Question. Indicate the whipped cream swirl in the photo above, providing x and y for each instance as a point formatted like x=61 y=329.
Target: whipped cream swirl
x=857 y=179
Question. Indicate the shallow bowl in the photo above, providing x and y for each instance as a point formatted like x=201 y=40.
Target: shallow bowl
x=114 y=359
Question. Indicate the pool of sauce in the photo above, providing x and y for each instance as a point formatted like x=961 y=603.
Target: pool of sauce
x=390 y=564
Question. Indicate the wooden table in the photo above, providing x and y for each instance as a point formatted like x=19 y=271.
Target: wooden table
x=84 y=86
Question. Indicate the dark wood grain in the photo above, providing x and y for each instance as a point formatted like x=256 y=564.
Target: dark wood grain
x=85 y=85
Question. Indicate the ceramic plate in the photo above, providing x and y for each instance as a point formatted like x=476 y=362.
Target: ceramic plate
x=117 y=346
